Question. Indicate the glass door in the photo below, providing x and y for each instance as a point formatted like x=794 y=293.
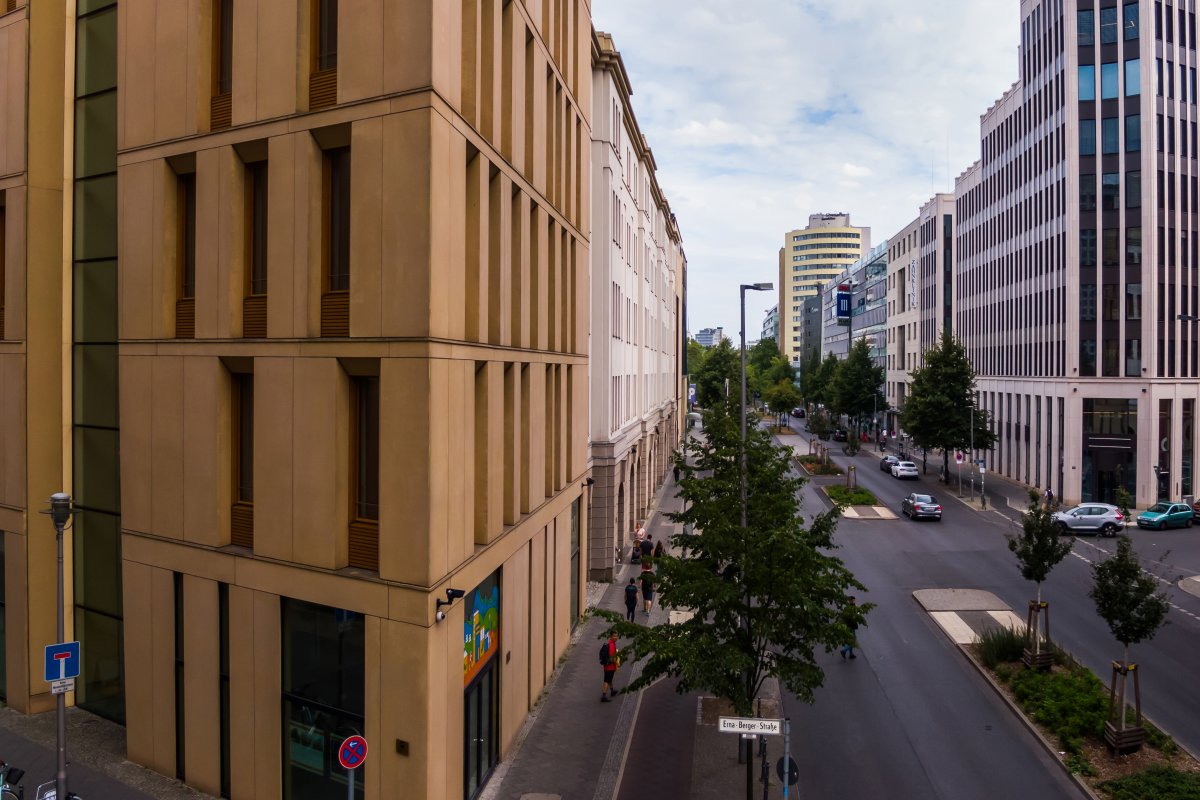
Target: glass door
x=481 y=729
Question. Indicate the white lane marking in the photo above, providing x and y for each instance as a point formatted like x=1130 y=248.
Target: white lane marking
x=1009 y=620
x=1163 y=581
x=954 y=626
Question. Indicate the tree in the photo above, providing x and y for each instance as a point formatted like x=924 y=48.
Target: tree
x=696 y=356
x=782 y=397
x=765 y=596
x=721 y=363
x=822 y=379
x=1039 y=548
x=941 y=406
x=1127 y=598
x=855 y=388
x=810 y=373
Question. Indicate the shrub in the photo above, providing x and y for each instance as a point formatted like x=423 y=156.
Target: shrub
x=1156 y=783
x=1070 y=704
x=999 y=645
x=1079 y=765
x=1004 y=672
x=815 y=466
x=1156 y=738
x=845 y=496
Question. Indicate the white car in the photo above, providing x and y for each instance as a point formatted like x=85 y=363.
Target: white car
x=904 y=469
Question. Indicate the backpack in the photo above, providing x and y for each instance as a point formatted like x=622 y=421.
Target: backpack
x=604 y=654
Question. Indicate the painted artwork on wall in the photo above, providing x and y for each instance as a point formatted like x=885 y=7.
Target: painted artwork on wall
x=481 y=626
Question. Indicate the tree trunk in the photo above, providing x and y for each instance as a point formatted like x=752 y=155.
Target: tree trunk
x=1037 y=633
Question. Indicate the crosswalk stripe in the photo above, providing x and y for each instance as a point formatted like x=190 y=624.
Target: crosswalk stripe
x=954 y=626
x=1009 y=620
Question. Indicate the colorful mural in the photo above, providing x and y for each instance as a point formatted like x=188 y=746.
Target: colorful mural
x=481 y=627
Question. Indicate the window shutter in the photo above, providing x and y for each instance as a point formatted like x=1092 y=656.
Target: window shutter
x=185 y=318
x=364 y=544
x=322 y=89
x=254 y=317
x=335 y=314
x=241 y=524
x=221 y=111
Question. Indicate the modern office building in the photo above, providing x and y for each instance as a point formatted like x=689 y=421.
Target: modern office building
x=707 y=337
x=866 y=283
x=637 y=278
x=903 y=317
x=809 y=258
x=336 y=482
x=1077 y=249
x=770 y=324
x=806 y=333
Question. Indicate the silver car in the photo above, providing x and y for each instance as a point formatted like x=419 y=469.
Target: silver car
x=904 y=469
x=1098 y=518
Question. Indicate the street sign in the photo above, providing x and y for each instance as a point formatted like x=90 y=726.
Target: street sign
x=63 y=686
x=981 y=469
x=843 y=307
x=62 y=661
x=753 y=725
x=958 y=457
x=793 y=770
x=353 y=752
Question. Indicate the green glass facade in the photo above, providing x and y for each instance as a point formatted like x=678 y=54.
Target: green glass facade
x=96 y=467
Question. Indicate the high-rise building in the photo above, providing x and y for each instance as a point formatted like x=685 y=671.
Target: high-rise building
x=903 y=317
x=336 y=483
x=637 y=278
x=770 y=324
x=707 y=337
x=809 y=258
x=1076 y=277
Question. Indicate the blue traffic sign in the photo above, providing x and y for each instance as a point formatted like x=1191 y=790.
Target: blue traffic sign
x=62 y=661
x=353 y=752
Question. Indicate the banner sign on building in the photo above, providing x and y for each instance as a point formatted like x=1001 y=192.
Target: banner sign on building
x=481 y=627
x=843 y=306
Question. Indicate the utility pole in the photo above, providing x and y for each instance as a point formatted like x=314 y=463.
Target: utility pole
x=60 y=515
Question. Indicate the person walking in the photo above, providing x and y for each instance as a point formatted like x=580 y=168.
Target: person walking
x=647 y=546
x=852 y=623
x=631 y=599
x=1048 y=498
x=647 y=590
x=610 y=661
x=658 y=548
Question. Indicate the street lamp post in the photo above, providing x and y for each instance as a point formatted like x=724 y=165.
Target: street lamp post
x=60 y=515
x=753 y=287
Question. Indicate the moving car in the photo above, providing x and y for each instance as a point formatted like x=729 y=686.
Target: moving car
x=798 y=413
x=904 y=469
x=1100 y=518
x=921 y=506
x=840 y=435
x=885 y=463
x=1166 y=515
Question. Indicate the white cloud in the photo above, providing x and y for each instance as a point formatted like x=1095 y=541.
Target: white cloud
x=761 y=112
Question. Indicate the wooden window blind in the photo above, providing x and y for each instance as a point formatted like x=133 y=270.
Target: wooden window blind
x=364 y=474
x=254 y=304
x=3 y=220
x=322 y=82
x=335 y=299
x=241 y=517
x=185 y=304
x=221 y=106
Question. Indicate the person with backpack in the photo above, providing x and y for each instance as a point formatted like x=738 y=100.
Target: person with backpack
x=647 y=589
x=658 y=549
x=609 y=660
x=631 y=599
x=852 y=623
x=647 y=546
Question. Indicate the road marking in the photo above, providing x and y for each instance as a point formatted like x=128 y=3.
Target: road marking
x=1161 y=580
x=1009 y=620
x=954 y=626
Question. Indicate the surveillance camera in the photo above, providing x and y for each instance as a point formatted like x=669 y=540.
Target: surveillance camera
x=454 y=594
x=440 y=615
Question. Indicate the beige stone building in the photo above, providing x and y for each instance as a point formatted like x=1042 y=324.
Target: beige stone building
x=638 y=274
x=318 y=275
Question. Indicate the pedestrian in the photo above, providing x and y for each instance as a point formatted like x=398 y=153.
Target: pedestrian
x=636 y=554
x=1048 y=498
x=676 y=472
x=849 y=616
x=658 y=548
x=647 y=590
x=631 y=599
x=609 y=660
x=648 y=546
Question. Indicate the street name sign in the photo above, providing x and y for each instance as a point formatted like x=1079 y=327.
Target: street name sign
x=63 y=686
x=751 y=725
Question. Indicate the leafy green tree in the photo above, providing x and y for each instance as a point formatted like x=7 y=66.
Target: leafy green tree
x=1128 y=599
x=1039 y=548
x=764 y=596
x=696 y=355
x=855 y=389
x=938 y=413
x=810 y=373
x=822 y=380
x=781 y=397
x=721 y=363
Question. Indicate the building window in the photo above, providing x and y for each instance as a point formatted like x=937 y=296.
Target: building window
x=3 y=627
x=2 y=229
x=1133 y=189
x=1111 y=256
x=1087 y=357
x=222 y=47
x=1133 y=301
x=327 y=34
x=1109 y=80
x=1112 y=191
x=1133 y=77
x=241 y=516
x=1108 y=25
x=335 y=302
x=1086 y=27
x=256 y=228
x=1133 y=358
x=1087 y=82
x=1087 y=197
x=1133 y=133
x=323 y=665
x=185 y=308
x=180 y=726
x=1110 y=135
x=1087 y=247
x=1131 y=21
x=1087 y=137
x=1133 y=248
x=364 y=478
x=223 y=636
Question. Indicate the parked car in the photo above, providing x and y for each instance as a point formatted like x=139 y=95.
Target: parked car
x=904 y=469
x=840 y=435
x=1096 y=517
x=798 y=413
x=921 y=506
x=885 y=463
x=1166 y=515
x=1196 y=510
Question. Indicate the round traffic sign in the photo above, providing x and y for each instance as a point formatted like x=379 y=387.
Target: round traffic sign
x=793 y=770
x=353 y=752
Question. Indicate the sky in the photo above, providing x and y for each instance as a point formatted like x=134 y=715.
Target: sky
x=760 y=112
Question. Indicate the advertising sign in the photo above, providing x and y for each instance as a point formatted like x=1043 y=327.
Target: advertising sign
x=481 y=627
x=843 y=306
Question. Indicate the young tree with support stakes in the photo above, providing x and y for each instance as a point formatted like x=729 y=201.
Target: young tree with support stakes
x=764 y=596
x=941 y=412
x=1127 y=598
x=1039 y=549
x=855 y=389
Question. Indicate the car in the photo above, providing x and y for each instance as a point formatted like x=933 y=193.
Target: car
x=1102 y=518
x=1166 y=515
x=904 y=469
x=840 y=435
x=1196 y=510
x=919 y=506
x=885 y=463
x=798 y=413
